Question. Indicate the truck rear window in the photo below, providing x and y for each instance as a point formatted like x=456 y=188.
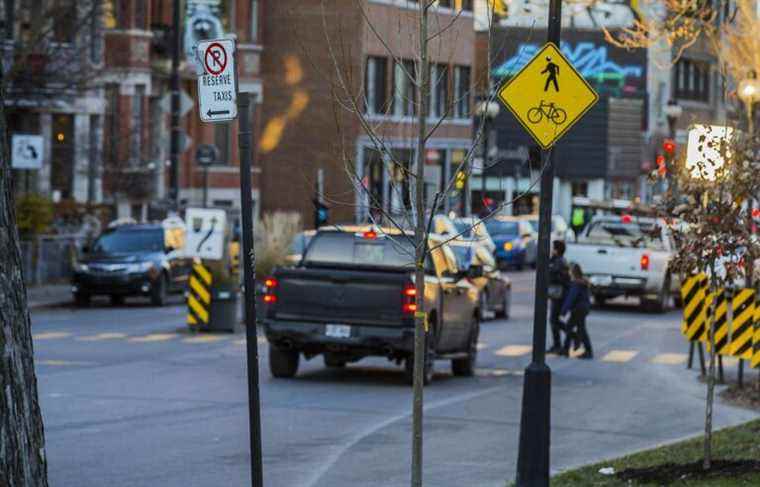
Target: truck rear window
x=637 y=235
x=343 y=248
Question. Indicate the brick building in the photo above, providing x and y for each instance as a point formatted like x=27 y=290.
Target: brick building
x=321 y=62
x=137 y=95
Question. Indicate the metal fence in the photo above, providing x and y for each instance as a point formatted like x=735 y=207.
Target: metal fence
x=49 y=259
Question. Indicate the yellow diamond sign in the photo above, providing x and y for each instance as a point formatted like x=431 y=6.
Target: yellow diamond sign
x=548 y=96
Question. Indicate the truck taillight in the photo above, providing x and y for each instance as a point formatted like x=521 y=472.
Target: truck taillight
x=409 y=304
x=270 y=284
x=645 y=262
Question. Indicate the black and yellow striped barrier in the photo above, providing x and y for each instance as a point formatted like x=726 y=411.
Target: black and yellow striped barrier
x=693 y=293
x=742 y=324
x=720 y=323
x=755 y=362
x=199 y=296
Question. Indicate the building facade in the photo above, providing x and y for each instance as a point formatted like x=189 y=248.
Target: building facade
x=340 y=115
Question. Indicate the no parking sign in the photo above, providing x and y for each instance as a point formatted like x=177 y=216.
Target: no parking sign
x=217 y=86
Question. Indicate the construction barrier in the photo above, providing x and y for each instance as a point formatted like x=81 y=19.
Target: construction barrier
x=742 y=324
x=199 y=296
x=693 y=293
x=738 y=336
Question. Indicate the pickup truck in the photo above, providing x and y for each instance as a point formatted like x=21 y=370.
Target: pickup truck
x=352 y=296
x=627 y=256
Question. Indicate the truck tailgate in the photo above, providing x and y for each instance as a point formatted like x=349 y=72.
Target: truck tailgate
x=340 y=296
x=606 y=259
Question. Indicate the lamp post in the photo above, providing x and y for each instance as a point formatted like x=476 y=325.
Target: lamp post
x=487 y=110
x=673 y=112
x=749 y=93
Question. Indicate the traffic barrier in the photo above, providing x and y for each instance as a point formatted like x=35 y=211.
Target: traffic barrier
x=693 y=293
x=199 y=296
x=742 y=326
x=720 y=324
x=755 y=362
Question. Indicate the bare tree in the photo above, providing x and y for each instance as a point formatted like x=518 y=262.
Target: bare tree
x=22 y=440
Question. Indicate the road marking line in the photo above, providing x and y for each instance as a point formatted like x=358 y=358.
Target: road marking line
x=61 y=363
x=514 y=350
x=729 y=360
x=153 y=337
x=619 y=356
x=259 y=340
x=497 y=372
x=102 y=336
x=669 y=359
x=51 y=335
x=205 y=339
x=482 y=346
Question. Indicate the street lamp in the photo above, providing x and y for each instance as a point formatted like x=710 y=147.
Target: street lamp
x=487 y=110
x=749 y=93
x=673 y=112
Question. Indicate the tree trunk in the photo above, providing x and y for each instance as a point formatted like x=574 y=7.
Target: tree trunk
x=22 y=440
x=710 y=324
x=420 y=240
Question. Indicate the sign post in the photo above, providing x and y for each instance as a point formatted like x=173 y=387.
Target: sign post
x=206 y=155
x=547 y=97
x=218 y=102
x=217 y=87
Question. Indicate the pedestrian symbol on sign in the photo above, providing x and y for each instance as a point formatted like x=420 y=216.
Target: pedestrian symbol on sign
x=553 y=71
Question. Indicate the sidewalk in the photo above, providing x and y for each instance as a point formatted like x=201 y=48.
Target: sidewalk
x=48 y=295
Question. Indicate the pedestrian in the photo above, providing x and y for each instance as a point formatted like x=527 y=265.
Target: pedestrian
x=578 y=304
x=578 y=221
x=559 y=282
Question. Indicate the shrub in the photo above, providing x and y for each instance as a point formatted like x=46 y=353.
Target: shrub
x=272 y=238
x=34 y=214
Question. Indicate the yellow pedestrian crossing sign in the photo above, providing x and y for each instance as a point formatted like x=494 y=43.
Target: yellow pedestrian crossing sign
x=548 y=96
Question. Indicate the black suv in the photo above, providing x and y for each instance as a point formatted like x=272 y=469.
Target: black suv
x=132 y=260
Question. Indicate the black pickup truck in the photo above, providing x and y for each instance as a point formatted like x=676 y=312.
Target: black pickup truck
x=353 y=296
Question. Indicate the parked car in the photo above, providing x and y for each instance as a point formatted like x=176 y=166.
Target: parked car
x=515 y=242
x=627 y=256
x=353 y=296
x=559 y=229
x=473 y=229
x=133 y=260
x=495 y=288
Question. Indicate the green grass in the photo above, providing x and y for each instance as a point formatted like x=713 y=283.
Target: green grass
x=739 y=443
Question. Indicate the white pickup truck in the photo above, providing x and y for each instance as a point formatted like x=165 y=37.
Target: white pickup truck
x=627 y=256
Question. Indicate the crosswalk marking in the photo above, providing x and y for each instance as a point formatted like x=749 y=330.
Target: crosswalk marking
x=153 y=337
x=259 y=340
x=669 y=359
x=619 y=356
x=205 y=339
x=482 y=346
x=513 y=350
x=101 y=337
x=51 y=335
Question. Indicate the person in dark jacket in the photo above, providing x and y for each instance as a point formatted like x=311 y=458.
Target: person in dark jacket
x=559 y=282
x=578 y=304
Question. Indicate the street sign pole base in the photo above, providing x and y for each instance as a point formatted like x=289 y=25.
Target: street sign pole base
x=533 y=455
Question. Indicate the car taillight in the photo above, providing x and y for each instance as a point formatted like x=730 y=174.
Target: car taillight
x=645 y=262
x=409 y=304
x=270 y=284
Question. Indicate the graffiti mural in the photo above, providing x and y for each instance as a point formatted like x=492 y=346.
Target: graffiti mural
x=591 y=59
x=608 y=14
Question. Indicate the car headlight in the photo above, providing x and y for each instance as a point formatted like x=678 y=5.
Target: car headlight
x=79 y=267
x=140 y=267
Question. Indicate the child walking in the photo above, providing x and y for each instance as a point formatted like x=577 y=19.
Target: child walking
x=578 y=304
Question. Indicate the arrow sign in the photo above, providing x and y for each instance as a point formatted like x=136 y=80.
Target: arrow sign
x=217 y=87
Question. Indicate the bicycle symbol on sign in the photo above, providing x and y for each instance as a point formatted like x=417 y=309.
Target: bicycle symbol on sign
x=548 y=110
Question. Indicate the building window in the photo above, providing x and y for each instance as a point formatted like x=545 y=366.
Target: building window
x=465 y=5
x=404 y=92
x=65 y=16
x=375 y=85
x=62 y=155
x=462 y=92
x=222 y=140
x=141 y=14
x=137 y=136
x=372 y=180
x=8 y=18
x=691 y=80
x=111 y=124
x=444 y=3
x=254 y=21
x=439 y=93
x=402 y=163
x=579 y=188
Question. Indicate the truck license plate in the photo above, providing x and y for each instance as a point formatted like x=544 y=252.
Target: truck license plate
x=338 y=331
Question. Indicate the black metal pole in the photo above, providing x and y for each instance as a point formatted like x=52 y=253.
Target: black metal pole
x=175 y=130
x=535 y=421
x=205 y=186
x=245 y=144
x=486 y=129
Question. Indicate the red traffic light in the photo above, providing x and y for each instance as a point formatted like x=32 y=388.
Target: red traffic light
x=669 y=147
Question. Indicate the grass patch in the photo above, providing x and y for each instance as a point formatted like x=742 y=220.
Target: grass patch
x=736 y=454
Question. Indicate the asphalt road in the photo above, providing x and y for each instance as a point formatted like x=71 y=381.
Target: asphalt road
x=130 y=398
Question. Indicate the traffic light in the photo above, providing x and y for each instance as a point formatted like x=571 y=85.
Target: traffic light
x=669 y=146
x=321 y=213
x=460 y=181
